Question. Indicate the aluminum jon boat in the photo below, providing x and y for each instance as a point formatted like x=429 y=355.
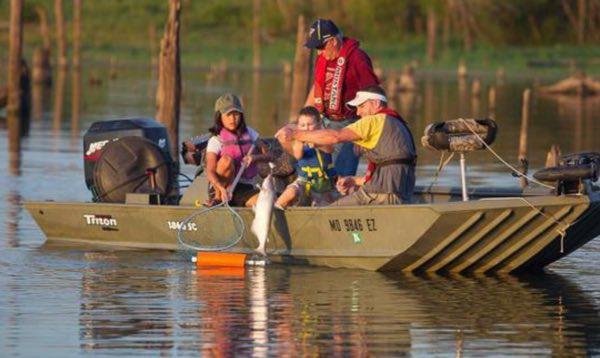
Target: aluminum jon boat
x=494 y=231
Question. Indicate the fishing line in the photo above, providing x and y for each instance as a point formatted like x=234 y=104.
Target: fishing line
x=515 y=170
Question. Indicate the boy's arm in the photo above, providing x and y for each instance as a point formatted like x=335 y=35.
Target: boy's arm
x=298 y=150
x=326 y=148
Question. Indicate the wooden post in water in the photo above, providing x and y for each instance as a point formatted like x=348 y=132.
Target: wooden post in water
x=13 y=105
x=300 y=78
x=152 y=45
x=112 y=73
x=553 y=156
x=76 y=34
x=42 y=71
x=59 y=99
x=523 y=163
x=431 y=34
x=256 y=59
x=475 y=97
x=168 y=94
x=76 y=74
x=462 y=71
x=446 y=29
x=492 y=102
x=61 y=41
x=581 y=21
x=462 y=88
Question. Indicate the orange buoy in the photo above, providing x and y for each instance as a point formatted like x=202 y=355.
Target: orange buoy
x=220 y=259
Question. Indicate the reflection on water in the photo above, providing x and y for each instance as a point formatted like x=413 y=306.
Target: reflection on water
x=59 y=98
x=161 y=304
x=67 y=301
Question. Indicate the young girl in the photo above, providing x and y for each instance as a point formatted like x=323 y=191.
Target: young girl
x=227 y=149
x=314 y=167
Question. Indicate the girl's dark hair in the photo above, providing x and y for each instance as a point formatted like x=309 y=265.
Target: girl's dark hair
x=218 y=124
x=311 y=112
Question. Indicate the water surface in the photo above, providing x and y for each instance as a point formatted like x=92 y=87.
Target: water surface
x=58 y=301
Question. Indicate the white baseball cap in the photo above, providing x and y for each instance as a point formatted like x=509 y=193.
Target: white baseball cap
x=363 y=96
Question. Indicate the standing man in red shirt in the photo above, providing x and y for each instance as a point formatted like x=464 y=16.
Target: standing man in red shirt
x=341 y=70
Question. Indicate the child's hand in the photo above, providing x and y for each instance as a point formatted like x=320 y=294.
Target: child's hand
x=223 y=193
x=247 y=160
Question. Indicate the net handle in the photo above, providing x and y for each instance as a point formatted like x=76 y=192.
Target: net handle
x=241 y=171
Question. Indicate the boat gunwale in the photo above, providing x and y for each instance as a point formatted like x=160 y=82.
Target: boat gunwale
x=476 y=204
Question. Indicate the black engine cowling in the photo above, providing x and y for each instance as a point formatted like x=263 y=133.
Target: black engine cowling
x=131 y=165
x=136 y=147
x=571 y=171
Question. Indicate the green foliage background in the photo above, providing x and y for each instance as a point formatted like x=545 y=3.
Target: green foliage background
x=507 y=32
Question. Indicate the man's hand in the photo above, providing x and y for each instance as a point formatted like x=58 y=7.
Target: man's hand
x=188 y=152
x=189 y=145
x=285 y=134
x=346 y=185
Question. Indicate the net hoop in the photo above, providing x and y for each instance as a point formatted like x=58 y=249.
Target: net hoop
x=238 y=225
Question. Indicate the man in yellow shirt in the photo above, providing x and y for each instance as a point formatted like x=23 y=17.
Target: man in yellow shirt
x=385 y=140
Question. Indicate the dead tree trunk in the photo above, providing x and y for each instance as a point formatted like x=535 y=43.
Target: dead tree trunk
x=431 y=35
x=42 y=71
x=76 y=74
x=464 y=19
x=15 y=49
x=523 y=136
x=76 y=34
x=581 y=7
x=492 y=102
x=153 y=51
x=300 y=78
x=256 y=35
x=286 y=13
x=61 y=41
x=168 y=94
x=44 y=31
x=446 y=31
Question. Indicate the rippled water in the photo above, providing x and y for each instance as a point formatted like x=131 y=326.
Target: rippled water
x=60 y=301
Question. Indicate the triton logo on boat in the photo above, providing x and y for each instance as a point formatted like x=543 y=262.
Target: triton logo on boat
x=96 y=146
x=178 y=225
x=100 y=220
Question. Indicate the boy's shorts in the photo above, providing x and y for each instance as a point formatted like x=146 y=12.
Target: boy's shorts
x=311 y=198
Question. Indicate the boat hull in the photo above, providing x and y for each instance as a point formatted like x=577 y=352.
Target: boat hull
x=487 y=235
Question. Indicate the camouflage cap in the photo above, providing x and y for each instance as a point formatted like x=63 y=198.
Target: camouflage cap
x=227 y=103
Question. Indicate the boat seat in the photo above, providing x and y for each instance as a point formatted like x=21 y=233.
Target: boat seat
x=457 y=135
x=461 y=136
x=196 y=193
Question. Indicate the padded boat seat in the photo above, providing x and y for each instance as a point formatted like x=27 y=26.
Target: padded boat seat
x=457 y=135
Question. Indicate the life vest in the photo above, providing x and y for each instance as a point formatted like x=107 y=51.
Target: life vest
x=237 y=147
x=317 y=168
x=372 y=166
x=335 y=106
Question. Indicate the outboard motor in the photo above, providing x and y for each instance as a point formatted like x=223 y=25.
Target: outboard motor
x=573 y=171
x=127 y=156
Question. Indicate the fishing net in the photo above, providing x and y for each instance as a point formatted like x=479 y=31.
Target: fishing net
x=216 y=228
x=211 y=229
